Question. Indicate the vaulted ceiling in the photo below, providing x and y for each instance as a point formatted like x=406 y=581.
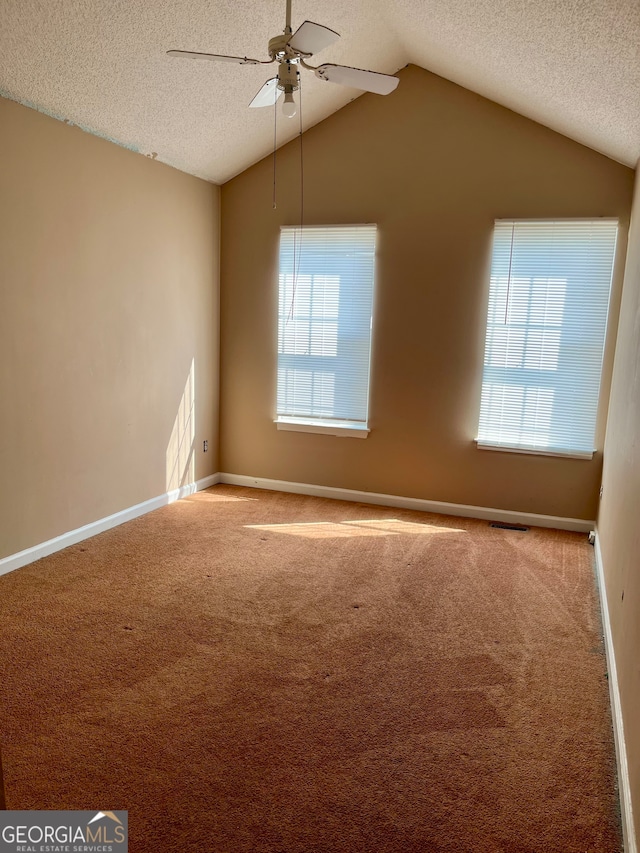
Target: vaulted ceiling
x=573 y=65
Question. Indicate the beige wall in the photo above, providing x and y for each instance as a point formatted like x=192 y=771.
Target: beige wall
x=433 y=165
x=108 y=293
x=619 y=516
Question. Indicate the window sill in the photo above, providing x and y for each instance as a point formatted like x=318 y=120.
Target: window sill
x=530 y=451
x=343 y=429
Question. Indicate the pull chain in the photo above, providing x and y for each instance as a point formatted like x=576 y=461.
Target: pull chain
x=297 y=250
x=275 y=136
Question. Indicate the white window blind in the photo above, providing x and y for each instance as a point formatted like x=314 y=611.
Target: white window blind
x=324 y=324
x=548 y=306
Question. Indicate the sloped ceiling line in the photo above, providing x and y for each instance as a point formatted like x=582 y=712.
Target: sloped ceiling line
x=572 y=65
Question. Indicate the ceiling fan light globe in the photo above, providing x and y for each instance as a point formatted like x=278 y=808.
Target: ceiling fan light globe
x=289 y=105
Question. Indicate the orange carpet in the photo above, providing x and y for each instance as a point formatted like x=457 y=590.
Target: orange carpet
x=254 y=671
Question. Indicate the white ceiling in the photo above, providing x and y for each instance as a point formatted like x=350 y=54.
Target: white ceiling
x=573 y=65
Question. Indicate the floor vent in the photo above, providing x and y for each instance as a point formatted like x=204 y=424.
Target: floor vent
x=504 y=525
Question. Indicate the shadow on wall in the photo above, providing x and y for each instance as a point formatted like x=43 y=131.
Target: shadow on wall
x=180 y=458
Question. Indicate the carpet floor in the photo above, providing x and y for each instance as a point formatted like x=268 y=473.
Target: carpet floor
x=256 y=671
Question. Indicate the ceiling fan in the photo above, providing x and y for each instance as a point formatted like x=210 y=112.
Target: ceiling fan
x=290 y=50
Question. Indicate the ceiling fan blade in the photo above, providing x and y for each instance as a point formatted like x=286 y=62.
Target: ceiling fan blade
x=213 y=57
x=369 y=81
x=268 y=95
x=312 y=38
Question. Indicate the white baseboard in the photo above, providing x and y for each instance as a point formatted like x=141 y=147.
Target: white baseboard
x=508 y=516
x=626 y=809
x=22 y=558
x=29 y=555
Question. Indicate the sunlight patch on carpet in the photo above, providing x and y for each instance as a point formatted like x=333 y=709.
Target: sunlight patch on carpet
x=217 y=497
x=342 y=529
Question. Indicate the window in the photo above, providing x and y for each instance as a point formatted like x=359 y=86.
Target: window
x=324 y=328
x=548 y=305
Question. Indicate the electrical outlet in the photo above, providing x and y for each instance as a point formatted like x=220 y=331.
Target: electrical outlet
x=205 y=446
x=601 y=490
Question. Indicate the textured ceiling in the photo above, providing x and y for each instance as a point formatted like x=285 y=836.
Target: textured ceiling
x=573 y=65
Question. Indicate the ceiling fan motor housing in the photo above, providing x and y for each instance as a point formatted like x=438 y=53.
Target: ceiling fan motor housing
x=279 y=47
